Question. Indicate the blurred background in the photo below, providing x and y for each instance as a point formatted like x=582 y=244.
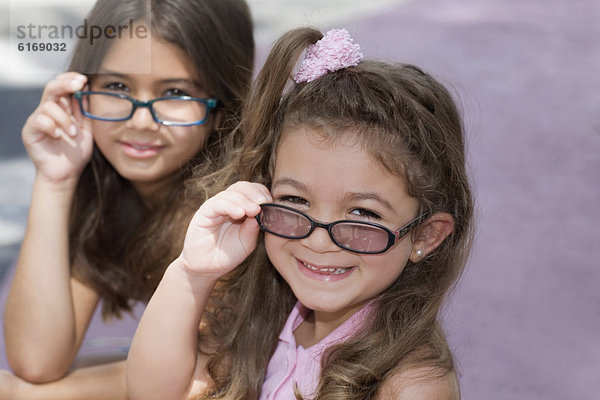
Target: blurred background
x=524 y=321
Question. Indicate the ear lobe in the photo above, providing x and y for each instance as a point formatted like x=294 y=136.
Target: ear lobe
x=431 y=233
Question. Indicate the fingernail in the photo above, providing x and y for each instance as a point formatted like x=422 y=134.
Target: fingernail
x=72 y=130
x=77 y=83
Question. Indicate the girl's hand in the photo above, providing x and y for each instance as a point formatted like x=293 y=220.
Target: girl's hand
x=223 y=232
x=56 y=136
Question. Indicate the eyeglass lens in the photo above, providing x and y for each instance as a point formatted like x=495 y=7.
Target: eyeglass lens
x=172 y=110
x=348 y=235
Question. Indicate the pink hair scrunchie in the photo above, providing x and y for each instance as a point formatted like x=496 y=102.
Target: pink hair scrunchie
x=333 y=52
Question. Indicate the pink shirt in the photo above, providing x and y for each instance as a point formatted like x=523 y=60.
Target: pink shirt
x=292 y=364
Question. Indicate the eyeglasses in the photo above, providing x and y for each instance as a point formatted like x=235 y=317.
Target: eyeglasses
x=171 y=111
x=356 y=236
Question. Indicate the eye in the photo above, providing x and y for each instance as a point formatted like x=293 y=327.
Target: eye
x=293 y=201
x=116 y=87
x=363 y=213
x=175 y=92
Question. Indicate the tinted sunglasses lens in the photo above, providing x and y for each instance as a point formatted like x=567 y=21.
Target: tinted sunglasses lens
x=281 y=221
x=359 y=237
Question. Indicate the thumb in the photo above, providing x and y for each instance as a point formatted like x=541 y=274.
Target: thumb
x=84 y=124
x=249 y=234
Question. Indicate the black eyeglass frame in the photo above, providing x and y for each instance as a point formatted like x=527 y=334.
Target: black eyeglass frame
x=209 y=103
x=393 y=236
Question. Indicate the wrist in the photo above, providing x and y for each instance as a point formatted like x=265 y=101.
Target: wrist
x=63 y=186
x=198 y=282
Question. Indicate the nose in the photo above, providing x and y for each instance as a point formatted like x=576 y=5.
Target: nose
x=319 y=240
x=142 y=120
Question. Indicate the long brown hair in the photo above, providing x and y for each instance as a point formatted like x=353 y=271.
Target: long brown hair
x=125 y=244
x=410 y=124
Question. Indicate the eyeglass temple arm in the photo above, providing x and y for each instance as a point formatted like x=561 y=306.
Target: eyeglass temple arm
x=411 y=225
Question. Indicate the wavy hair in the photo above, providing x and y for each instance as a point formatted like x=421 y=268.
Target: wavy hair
x=126 y=244
x=409 y=123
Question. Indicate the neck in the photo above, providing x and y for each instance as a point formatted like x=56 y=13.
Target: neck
x=154 y=193
x=319 y=324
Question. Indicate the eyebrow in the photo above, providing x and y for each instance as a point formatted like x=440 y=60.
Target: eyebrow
x=291 y=182
x=190 y=82
x=354 y=196
x=358 y=196
x=103 y=71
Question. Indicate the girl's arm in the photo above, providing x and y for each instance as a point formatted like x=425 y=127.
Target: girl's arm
x=98 y=382
x=163 y=356
x=47 y=312
x=163 y=362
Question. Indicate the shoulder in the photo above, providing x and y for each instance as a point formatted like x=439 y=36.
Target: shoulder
x=420 y=383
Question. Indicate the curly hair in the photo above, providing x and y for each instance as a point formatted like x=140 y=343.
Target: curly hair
x=409 y=123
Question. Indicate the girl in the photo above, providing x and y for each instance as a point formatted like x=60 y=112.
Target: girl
x=359 y=184
x=115 y=143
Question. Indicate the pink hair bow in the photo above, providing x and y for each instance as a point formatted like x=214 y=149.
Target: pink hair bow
x=333 y=52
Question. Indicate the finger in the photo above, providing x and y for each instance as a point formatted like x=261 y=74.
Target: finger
x=63 y=85
x=253 y=191
x=47 y=126
x=65 y=104
x=68 y=77
x=249 y=234
x=62 y=119
x=83 y=124
x=233 y=207
x=249 y=228
x=247 y=200
x=219 y=210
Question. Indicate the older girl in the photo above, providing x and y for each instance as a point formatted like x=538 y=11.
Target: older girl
x=115 y=143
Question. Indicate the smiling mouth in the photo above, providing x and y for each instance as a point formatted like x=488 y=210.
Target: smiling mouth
x=140 y=150
x=326 y=271
x=142 y=147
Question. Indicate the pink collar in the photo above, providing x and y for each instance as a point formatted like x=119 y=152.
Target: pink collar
x=340 y=334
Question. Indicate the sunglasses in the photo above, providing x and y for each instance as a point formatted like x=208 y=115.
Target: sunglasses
x=356 y=236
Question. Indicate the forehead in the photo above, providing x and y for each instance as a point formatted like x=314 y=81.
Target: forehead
x=147 y=55
x=332 y=167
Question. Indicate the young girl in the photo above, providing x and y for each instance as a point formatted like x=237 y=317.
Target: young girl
x=356 y=174
x=115 y=143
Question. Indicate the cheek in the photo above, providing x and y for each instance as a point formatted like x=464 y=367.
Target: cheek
x=189 y=140
x=394 y=261
x=274 y=246
x=102 y=135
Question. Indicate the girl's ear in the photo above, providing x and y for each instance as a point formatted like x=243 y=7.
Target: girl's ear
x=430 y=234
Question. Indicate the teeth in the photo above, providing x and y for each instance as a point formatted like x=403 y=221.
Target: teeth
x=333 y=271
